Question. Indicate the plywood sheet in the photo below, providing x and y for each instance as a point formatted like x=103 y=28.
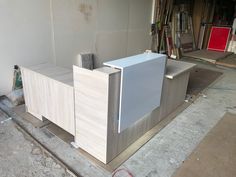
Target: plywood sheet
x=216 y=154
x=229 y=61
x=207 y=55
x=141 y=81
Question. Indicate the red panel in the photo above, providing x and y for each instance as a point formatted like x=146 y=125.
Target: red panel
x=218 y=38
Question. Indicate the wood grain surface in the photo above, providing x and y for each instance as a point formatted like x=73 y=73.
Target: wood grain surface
x=94 y=91
x=49 y=93
x=90 y=109
x=97 y=105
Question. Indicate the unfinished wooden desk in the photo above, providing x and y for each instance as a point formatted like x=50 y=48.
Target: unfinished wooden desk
x=89 y=108
x=48 y=92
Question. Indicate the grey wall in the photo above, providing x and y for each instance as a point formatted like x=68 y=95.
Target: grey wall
x=35 y=31
x=25 y=36
x=109 y=28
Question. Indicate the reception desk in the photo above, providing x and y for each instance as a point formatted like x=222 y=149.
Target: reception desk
x=93 y=102
x=140 y=82
x=97 y=119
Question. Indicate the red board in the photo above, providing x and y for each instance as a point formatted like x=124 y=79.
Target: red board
x=218 y=38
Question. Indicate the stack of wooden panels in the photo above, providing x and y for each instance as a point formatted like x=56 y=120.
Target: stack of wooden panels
x=183 y=28
x=203 y=13
x=160 y=31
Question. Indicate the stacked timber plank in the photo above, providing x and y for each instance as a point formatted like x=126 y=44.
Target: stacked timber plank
x=173 y=29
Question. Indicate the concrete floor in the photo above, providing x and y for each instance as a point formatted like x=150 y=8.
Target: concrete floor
x=167 y=150
x=21 y=157
x=160 y=157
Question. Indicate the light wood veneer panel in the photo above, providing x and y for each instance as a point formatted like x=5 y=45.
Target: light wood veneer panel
x=49 y=93
x=93 y=90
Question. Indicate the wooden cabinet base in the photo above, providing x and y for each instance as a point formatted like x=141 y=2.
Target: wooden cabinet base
x=86 y=104
x=97 y=119
x=49 y=93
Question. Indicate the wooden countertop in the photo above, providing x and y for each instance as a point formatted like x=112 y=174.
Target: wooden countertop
x=175 y=68
x=60 y=74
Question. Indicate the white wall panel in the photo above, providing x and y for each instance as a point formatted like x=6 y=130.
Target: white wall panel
x=139 y=26
x=36 y=31
x=74 y=28
x=25 y=35
x=109 y=28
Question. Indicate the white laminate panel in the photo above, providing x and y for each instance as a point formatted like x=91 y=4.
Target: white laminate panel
x=134 y=60
x=141 y=82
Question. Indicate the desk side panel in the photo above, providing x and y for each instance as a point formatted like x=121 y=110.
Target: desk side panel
x=91 y=111
x=33 y=92
x=49 y=98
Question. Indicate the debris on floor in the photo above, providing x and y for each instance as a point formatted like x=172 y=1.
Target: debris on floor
x=20 y=156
